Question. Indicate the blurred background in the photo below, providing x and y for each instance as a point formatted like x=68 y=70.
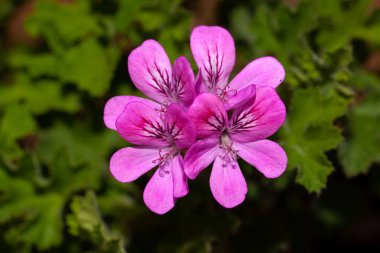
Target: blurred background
x=60 y=60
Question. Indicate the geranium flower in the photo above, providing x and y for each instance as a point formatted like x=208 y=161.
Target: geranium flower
x=224 y=139
x=213 y=49
x=160 y=140
x=150 y=70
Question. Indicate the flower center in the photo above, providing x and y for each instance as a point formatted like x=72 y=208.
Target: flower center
x=229 y=154
x=164 y=160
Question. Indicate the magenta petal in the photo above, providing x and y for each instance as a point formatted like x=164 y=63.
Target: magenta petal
x=227 y=182
x=200 y=155
x=213 y=49
x=259 y=120
x=267 y=156
x=128 y=164
x=150 y=70
x=158 y=193
x=238 y=98
x=183 y=81
x=208 y=115
x=115 y=106
x=179 y=126
x=140 y=124
x=179 y=177
x=265 y=71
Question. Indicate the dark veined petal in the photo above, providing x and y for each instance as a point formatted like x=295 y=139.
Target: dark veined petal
x=213 y=49
x=140 y=124
x=179 y=126
x=183 y=81
x=150 y=70
x=259 y=120
x=208 y=115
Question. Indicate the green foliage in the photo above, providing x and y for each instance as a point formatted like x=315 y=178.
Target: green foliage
x=86 y=221
x=309 y=132
x=56 y=193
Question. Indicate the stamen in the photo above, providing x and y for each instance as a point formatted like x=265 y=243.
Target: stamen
x=163 y=162
x=224 y=93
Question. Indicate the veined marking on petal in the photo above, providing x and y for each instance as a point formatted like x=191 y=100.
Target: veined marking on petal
x=214 y=72
x=243 y=121
x=173 y=131
x=162 y=81
x=153 y=129
x=178 y=89
x=217 y=123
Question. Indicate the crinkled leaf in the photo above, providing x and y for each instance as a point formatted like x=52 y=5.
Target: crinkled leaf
x=309 y=132
x=85 y=220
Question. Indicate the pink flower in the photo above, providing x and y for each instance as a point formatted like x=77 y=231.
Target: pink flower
x=150 y=70
x=213 y=49
x=160 y=141
x=257 y=112
x=223 y=139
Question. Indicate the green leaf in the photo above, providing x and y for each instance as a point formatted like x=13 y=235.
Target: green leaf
x=309 y=132
x=89 y=66
x=39 y=216
x=361 y=148
x=86 y=221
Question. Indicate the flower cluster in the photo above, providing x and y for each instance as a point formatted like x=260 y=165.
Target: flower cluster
x=207 y=119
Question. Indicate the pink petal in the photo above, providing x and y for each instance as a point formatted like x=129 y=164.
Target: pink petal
x=265 y=71
x=179 y=177
x=227 y=182
x=208 y=115
x=260 y=119
x=183 y=81
x=179 y=126
x=140 y=124
x=150 y=70
x=158 y=193
x=213 y=49
x=128 y=164
x=238 y=98
x=115 y=106
x=200 y=155
x=267 y=156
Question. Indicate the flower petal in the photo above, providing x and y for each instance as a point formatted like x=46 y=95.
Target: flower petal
x=179 y=126
x=128 y=164
x=265 y=71
x=183 y=81
x=213 y=49
x=227 y=182
x=140 y=124
x=267 y=156
x=200 y=155
x=115 y=106
x=238 y=98
x=179 y=177
x=150 y=70
x=208 y=115
x=158 y=193
x=257 y=121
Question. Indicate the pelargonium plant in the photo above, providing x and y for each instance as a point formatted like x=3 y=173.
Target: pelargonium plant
x=205 y=119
